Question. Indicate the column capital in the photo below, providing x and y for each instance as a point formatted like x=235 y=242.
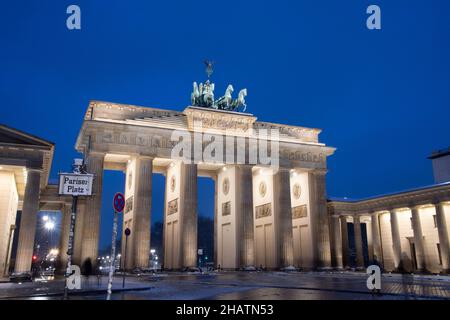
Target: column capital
x=438 y=202
x=393 y=210
x=282 y=169
x=240 y=165
x=144 y=157
x=319 y=171
x=35 y=170
x=95 y=154
x=66 y=204
x=374 y=213
x=414 y=206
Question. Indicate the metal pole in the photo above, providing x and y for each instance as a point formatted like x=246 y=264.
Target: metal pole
x=73 y=217
x=124 y=262
x=112 y=264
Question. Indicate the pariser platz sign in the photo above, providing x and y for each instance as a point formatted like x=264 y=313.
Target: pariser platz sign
x=74 y=184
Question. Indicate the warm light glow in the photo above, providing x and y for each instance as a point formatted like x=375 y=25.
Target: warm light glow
x=1 y=168
x=49 y=225
x=224 y=168
x=172 y=165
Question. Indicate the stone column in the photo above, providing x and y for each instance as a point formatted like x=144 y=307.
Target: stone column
x=396 y=242
x=418 y=239
x=345 y=245
x=244 y=210
x=79 y=226
x=358 y=242
x=337 y=243
x=283 y=212
x=319 y=219
x=189 y=214
x=216 y=189
x=142 y=212
x=443 y=236
x=376 y=239
x=28 y=220
x=164 y=235
x=64 y=237
x=91 y=230
x=369 y=238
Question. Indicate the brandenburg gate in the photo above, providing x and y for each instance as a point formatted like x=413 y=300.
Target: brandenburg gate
x=270 y=214
x=271 y=208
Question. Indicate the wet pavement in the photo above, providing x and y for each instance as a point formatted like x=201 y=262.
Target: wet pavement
x=250 y=286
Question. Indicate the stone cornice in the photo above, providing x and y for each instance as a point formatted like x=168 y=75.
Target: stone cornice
x=423 y=196
x=216 y=121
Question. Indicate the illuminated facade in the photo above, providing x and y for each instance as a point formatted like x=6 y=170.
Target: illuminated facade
x=265 y=217
x=405 y=231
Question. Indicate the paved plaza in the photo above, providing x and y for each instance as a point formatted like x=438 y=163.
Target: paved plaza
x=241 y=286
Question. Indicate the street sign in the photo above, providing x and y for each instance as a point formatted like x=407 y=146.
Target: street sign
x=119 y=202
x=74 y=184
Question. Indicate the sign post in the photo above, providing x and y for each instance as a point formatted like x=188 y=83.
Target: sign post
x=127 y=234
x=78 y=183
x=200 y=255
x=118 y=204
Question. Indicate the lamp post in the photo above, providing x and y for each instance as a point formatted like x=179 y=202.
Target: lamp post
x=78 y=183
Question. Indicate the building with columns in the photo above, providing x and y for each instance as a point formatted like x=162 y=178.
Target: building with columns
x=25 y=162
x=266 y=215
x=404 y=231
x=254 y=213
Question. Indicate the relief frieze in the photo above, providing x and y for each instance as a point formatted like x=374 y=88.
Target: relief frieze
x=263 y=211
x=299 y=212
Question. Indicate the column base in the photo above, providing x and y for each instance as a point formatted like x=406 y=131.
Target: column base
x=445 y=271
x=324 y=269
x=249 y=268
x=288 y=268
x=421 y=271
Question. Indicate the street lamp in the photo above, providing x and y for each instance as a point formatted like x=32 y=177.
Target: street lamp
x=49 y=225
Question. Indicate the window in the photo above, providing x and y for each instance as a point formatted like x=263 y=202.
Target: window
x=439 y=253
x=435 y=221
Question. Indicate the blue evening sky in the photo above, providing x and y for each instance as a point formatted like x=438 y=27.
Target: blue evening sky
x=381 y=97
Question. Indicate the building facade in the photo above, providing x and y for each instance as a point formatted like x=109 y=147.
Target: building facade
x=253 y=211
x=404 y=231
x=268 y=214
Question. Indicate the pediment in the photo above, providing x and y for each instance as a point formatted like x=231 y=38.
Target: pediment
x=16 y=137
